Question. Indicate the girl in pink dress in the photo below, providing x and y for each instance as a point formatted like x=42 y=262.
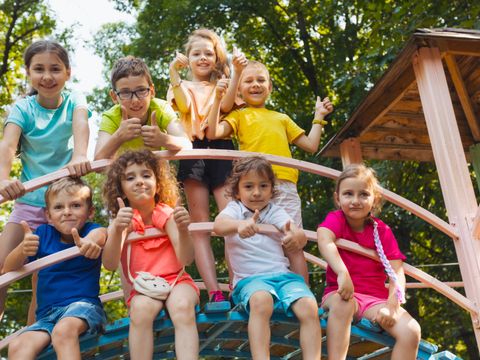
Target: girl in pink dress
x=356 y=284
x=140 y=193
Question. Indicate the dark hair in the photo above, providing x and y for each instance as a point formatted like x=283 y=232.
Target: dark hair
x=71 y=186
x=130 y=66
x=241 y=167
x=167 y=188
x=42 y=46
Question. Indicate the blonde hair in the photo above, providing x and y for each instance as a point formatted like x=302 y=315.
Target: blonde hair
x=360 y=171
x=70 y=186
x=221 y=65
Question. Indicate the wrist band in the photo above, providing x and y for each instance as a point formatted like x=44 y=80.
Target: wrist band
x=319 y=122
x=176 y=85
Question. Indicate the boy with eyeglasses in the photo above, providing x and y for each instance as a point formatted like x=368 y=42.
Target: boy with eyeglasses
x=137 y=119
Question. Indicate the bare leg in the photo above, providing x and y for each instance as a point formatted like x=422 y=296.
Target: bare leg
x=65 y=338
x=12 y=236
x=261 y=309
x=298 y=263
x=222 y=201
x=33 y=304
x=197 y=197
x=306 y=310
x=28 y=345
x=406 y=332
x=340 y=318
x=181 y=307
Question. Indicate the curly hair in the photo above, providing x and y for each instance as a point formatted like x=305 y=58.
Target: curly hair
x=360 y=171
x=241 y=167
x=221 y=66
x=167 y=188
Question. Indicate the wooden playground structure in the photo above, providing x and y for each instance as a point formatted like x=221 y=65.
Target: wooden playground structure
x=424 y=108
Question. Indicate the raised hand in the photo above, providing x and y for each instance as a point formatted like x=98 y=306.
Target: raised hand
x=345 y=286
x=87 y=247
x=249 y=227
x=124 y=216
x=11 y=189
x=179 y=62
x=221 y=87
x=322 y=108
x=239 y=61
x=295 y=238
x=30 y=241
x=129 y=128
x=152 y=135
x=182 y=218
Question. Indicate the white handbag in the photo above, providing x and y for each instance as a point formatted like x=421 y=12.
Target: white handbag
x=150 y=285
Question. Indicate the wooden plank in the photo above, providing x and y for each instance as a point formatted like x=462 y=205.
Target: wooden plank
x=463 y=96
x=351 y=152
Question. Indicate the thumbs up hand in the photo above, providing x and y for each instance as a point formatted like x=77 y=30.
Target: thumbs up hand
x=179 y=62
x=87 y=247
x=249 y=227
x=152 y=135
x=295 y=238
x=221 y=87
x=322 y=108
x=30 y=241
x=182 y=218
x=239 y=61
x=124 y=216
x=129 y=128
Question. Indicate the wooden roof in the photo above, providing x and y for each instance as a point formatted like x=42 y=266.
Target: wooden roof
x=390 y=124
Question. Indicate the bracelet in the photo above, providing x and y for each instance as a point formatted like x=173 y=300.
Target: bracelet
x=319 y=122
x=176 y=85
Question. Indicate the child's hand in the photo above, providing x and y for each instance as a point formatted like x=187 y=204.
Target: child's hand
x=152 y=135
x=30 y=241
x=239 y=61
x=387 y=316
x=322 y=108
x=249 y=227
x=345 y=286
x=87 y=247
x=129 y=128
x=124 y=216
x=182 y=218
x=180 y=61
x=11 y=189
x=79 y=166
x=221 y=87
x=295 y=238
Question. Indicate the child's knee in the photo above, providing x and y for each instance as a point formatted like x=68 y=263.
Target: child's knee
x=306 y=309
x=182 y=311
x=66 y=331
x=141 y=313
x=16 y=349
x=341 y=308
x=410 y=332
x=261 y=302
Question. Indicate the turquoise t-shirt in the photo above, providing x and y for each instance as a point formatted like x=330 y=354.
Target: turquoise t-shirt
x=46 y=142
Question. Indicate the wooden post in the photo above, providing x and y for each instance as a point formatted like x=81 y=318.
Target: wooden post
x=351 y=152
x=452 y=168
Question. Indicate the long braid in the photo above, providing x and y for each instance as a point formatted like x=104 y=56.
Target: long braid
x=386 y=264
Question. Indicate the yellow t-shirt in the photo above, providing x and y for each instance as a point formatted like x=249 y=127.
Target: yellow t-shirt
x=266 y=131
x=111 y=122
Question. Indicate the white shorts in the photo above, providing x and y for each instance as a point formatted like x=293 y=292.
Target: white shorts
x=288 y=199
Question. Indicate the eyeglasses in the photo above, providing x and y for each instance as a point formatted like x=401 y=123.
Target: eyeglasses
x=128 y=95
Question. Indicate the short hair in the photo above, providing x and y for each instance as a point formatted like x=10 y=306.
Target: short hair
x=70 y=185
x=368 y=174
x=258 y=65
x=242 y=166
x=130 y=66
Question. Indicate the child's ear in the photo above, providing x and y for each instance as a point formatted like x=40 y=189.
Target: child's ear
x=152 y=90
x=69 y=73
x=91 y=213
x=47 y=215
x=114 y=97
x=336 y=199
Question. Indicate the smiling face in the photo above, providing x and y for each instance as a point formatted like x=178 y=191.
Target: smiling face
x=69 y=209
x=356 y=198
x=48 y=75
x=202 y=59
x=137 y=105
x=139 y=185
x=255 y=190
x=255 y=86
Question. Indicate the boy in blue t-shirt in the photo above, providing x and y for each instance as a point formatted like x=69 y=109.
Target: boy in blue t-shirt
x=67 y=293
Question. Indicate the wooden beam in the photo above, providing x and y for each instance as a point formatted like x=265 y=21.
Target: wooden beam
x=351 y=152
x=463 y=95
x=452 y=167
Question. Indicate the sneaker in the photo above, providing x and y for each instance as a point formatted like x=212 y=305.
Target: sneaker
x=217 y=303
x=216 y=296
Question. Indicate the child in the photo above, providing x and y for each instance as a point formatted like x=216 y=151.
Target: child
x=207 y=62
x=68 y=303
x=270 y=132
x=138 y=119
x=50 y=127
x=140 y=193
x=261 y=278
x=356 y=284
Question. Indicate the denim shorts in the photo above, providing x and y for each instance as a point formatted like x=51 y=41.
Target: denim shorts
x=286 y=288
x=92 y=314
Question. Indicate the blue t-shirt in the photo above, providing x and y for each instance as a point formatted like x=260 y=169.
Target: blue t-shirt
x=46 y=143
x=68 y=281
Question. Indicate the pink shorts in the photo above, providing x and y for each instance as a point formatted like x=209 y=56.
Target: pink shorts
x=33 y=215
x=364 y=302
